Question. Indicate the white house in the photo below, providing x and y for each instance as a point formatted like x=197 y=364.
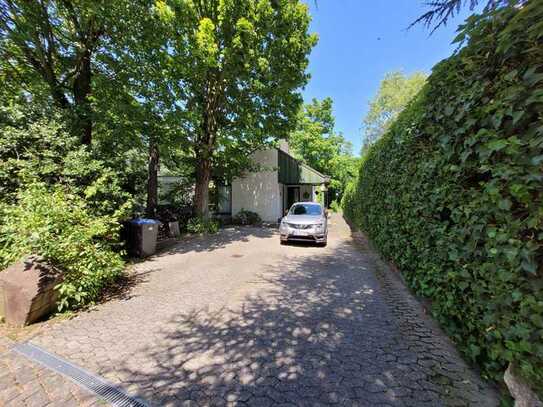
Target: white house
x=281 y=181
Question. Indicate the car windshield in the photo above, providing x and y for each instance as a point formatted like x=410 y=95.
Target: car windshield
x=306 y=209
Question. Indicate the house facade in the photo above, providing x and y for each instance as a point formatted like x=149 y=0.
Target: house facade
x=280 y=181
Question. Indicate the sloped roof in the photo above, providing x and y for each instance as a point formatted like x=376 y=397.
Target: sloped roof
x=293 y=171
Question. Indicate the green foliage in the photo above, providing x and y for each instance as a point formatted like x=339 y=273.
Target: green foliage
x=58 y=225
x=395 y=92
x=315 y=142
x=226 y=61
x=201 y=225
x=69 y=55
x=49 y=49
x=245 y=217
x=349 y=202
x=34 y=148
x=179 y=194
x=452 y=192
x=59 y=202
x=335 y=207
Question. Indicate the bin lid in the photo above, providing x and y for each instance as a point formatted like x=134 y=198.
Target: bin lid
x=144 y=221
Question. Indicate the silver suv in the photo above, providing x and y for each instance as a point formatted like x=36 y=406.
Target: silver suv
x=305 y=221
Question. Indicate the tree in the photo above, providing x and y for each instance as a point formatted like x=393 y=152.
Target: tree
x=316 y=142
x=238 y=66
x=442 y=10
x=56 y=40
x=395 y=92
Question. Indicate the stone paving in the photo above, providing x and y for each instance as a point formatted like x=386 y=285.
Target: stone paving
x=237 y=319
x=24 y=383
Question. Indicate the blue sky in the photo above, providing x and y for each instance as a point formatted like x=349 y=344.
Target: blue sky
x=360 y=41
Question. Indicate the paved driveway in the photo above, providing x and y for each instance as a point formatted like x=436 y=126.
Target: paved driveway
x=239 y=319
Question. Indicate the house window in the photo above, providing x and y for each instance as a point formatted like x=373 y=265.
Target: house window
x=224 y=199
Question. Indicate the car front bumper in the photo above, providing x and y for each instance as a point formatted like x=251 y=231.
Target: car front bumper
x=317 y=238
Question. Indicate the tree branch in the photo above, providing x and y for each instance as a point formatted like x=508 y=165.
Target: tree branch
x=441 y=11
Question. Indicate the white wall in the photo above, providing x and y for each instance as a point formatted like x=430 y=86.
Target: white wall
x=260 y=192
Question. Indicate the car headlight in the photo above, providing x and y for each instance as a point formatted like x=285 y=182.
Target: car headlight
x=319 y=226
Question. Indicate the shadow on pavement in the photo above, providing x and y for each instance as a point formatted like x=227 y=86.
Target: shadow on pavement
x=225 y=237
x=321 y=335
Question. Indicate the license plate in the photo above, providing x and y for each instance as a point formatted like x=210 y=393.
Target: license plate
x=299 y=233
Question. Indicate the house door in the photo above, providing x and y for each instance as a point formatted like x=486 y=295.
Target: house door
x=293 y=196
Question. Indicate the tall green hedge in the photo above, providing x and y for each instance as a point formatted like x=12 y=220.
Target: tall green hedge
x=453 y=193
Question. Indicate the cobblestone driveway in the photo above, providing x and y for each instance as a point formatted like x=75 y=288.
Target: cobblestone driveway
x=239 y=319
x=25 y=383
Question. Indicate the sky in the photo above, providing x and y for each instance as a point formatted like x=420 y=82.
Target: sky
x=360 y=41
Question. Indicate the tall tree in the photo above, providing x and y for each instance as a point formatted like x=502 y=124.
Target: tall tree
x=240 y=65
x=395 y=92
x=56 y=40
x=316 y=142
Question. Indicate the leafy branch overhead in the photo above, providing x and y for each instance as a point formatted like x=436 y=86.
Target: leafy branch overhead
x=441 y=11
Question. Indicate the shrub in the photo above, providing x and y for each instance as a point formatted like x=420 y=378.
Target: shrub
x=58 y=201
x=34 y=148
x=245 y=217
x=58 y=225
x=335 y=206
x=202 y=225
x=453 y=192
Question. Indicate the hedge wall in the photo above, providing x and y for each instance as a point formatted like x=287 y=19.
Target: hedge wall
x=453 y=193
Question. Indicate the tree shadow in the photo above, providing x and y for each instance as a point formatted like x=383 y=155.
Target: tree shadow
x=225 y=237
x=318 y=334
x=123 y=287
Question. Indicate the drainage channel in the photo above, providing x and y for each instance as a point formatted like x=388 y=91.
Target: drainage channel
x=95 y=384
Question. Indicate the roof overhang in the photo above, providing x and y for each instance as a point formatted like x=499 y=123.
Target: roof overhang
x=294 y=172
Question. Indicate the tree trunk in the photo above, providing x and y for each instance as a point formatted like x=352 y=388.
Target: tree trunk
x=82 y=90
x=152 y=181
x=206 y=145
x=201 y=193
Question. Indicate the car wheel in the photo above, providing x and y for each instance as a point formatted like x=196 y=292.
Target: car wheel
x=283 y=242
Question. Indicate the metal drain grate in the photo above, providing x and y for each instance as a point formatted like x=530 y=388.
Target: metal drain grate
x=100 y=387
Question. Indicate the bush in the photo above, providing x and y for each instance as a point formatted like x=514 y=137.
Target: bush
x=58 y=201
x=201 y=225
x=58 y=225
x=34 y=148
x=245 y=217
x=453 y=192
x=335 y=207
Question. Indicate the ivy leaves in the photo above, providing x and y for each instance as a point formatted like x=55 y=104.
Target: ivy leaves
x=452 y=193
